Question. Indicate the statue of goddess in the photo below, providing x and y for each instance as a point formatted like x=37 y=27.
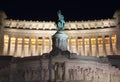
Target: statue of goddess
x=61 y=21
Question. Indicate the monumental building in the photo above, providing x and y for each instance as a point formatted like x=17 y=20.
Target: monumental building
x=84 y=51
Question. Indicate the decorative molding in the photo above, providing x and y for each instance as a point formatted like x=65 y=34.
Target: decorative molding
x=23 y=24
x=49 y=33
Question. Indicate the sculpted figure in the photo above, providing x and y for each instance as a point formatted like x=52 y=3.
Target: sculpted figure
x=61 y=21
x=56 y=71
x=60 y=71
x=45 y=74
x=71 y=76
x=79 y=71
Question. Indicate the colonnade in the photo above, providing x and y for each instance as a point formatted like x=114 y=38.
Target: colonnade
x=26 y=46
x=93 y=45
x=85 y=46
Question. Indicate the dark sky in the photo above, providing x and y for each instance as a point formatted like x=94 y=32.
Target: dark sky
x=71 y=9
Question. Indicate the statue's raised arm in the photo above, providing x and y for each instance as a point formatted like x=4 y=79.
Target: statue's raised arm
x=61 y=21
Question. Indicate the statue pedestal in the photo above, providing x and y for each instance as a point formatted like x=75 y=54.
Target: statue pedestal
x=60 y=41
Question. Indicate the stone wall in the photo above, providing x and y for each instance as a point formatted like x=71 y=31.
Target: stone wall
x=62 y=69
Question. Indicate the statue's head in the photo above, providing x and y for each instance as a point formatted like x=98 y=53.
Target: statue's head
x=59 y=12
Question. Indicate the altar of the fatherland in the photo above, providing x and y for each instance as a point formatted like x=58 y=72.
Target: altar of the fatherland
x=74 y=51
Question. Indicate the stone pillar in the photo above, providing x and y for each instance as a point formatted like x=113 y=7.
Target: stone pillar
x=83 y=46
x=43 y=46
x=69 y=43
x=36 y=46
x=50 y=43
x=2 y=18
x=111 y=48
x=23 y=46
x=104 y=47
x=77 y=45
x=29 y=49
x=16 y=44
x=90 y=46
x=97 y=47
x=9 y=44
x=118 y=44
x=1 y=42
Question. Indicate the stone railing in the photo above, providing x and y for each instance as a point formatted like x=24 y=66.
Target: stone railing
x=51 y=25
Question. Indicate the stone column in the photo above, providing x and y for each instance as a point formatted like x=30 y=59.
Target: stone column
x=29 y=49
x=23 y=46
x=69 y=48
x=9 y=44
x=77 y=45
x=2 y=19
x=97 y=47
x=111 y=48
x=16 y=44
x=1 y=43
x=50 y=43
x=83 y=46
x=104 y=47
x=90 y=46
x=43 y=46
x=118 y=43
x=36 y=46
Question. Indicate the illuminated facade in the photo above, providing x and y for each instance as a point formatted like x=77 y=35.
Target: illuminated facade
x=86 y=38
x=85 y=51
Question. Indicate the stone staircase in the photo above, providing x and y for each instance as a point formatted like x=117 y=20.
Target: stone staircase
x=73 y=81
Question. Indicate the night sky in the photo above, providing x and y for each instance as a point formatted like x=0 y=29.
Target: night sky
x=46 y=10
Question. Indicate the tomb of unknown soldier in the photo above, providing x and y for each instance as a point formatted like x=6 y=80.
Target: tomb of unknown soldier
x=61 y=51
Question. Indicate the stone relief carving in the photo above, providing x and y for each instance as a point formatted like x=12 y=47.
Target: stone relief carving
x=45 y=74
x=90 y=74
x=75 y=72
x=59 y=71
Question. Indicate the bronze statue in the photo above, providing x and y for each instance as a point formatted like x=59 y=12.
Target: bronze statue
x=61 y=21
